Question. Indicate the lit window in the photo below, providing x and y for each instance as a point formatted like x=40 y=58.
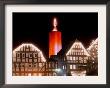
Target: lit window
x=82 y=53
x=35 y=55
x=23 y=55
x=85 y=58
x=50 y=74
x=30 y=55
x=73 y=58
x=76 y=53
x=29 y=74
x=67 y=57
x=63 y=67
x=76 y=46
x=17 y=74
x=18 y=60
x=85 y=61
x=26 y=69
x=80 y=58
x=27 y=55
x=76 y=58
x=40 y=64
x=81 y=61
x=17 y=69
x=35 y=60
x=26 y=59
x=34 y=74
x=70 y=58
x=29 y=69
x=18 y=55
x=34 y=65
x=22 y=64
x=70 y=66
x=26 y=64
x=79 y=53
x=27 y=49
x=23 y=60
x=30 y=60
x=76 y=61
x=38 y=59
x=22 y=69
x=74 y=66
x=39 y=55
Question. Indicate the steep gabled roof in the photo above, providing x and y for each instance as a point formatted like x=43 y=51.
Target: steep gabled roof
x=79 y=45
x=33 y=47
x=92 y=44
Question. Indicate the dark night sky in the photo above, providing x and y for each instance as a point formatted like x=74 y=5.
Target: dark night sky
x=35 y=27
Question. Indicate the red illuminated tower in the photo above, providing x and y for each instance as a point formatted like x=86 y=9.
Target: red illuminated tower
x=55 y=40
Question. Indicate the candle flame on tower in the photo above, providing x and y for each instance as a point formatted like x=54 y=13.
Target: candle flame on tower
x=55 y=24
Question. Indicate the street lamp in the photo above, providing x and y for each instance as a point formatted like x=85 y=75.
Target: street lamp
x=58 y=70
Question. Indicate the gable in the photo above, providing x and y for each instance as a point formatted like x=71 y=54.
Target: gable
x=93 y=44
x=28 y=50
x=77 y=48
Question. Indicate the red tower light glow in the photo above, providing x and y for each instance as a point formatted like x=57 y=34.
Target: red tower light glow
x=55 y=40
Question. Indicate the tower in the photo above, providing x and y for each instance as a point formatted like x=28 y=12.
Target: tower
x=55 y=39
